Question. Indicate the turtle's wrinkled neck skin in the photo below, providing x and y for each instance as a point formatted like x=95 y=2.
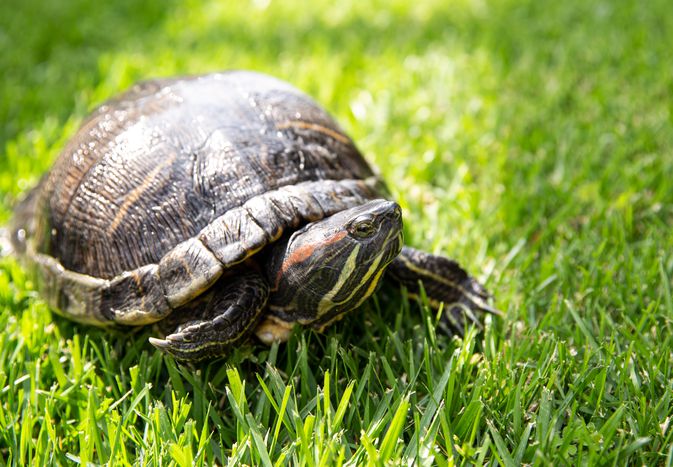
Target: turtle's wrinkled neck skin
x=331 y=266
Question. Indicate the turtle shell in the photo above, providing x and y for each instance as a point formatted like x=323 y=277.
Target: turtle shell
x=155 y=166
x=168 y=189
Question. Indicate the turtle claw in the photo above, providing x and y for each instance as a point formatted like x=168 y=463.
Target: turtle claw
x=179 y=348
x=224 y=319
x=160 y=344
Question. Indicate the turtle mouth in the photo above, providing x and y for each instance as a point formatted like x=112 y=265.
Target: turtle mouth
x=400 y=242
x=394 y=245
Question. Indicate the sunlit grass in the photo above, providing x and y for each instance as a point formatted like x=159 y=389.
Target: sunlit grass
x=530 y=140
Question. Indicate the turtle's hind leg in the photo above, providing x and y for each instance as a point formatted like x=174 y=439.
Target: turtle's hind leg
x=223 y=318
x=444 y=281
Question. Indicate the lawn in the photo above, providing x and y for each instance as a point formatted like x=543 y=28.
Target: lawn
x=531 y=140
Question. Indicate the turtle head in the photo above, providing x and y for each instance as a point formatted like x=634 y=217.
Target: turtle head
x=331 y=266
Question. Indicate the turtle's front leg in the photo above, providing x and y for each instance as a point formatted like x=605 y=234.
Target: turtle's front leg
x=224 y=317
x=444 y=281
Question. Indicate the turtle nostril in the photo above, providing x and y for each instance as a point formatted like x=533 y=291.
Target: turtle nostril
x=396 y=213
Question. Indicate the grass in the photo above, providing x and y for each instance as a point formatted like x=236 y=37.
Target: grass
x=531 y=140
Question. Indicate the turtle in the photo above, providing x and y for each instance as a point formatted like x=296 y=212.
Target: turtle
x=222 y=205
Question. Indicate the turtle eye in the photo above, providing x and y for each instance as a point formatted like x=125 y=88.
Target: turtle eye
x=362 y=227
